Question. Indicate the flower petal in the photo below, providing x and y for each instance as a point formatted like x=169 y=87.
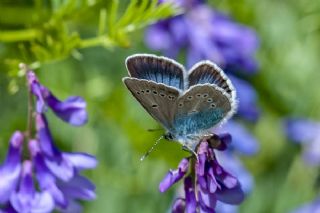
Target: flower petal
x=78 y=187
x=301 y=130
x=243 y=141
x=81 y=160
x=10 y=170
x=26 y=199
x=234 y=166
x=178 y=206
x=191 y=202
x=174 y=176
x=207 y=201
x=233 y=195
x=247 y=96
x=45 y=138
x=72 y=110
x=61 y=168
x=46 y=179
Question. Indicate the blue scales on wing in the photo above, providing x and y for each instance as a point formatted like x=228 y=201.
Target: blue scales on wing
x=207 y=72
x=157 y=69
x=200 y=108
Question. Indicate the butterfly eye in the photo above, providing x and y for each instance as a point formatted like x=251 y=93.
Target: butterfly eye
x=168 y=136
x=138 y=92
x=180 y=105
x=198 y=95
x=142 y=91
x=209 y=100
x=154 y=105
x=213 y=105
x=147 y=91
x=205 y=95
x=189 y=97
x=155 y=92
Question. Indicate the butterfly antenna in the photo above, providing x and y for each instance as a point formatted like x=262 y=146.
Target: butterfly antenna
x=153 y=130
x=151 y=149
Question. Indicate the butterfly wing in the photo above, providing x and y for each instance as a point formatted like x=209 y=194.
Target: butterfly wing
x=200 y=108
x=158 y=100
x=158 y=69
x=207 y=72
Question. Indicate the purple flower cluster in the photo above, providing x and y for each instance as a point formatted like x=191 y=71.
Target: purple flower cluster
x=312 y=207
x=307 y=133
x=206 y=182
x=46 y=178
x=205 y=34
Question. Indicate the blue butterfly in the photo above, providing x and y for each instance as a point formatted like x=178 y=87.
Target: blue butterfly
x=186 y=103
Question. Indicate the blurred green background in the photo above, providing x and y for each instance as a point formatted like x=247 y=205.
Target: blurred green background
x=47 y=34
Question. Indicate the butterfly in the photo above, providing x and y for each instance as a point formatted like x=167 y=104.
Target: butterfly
x=186 y=103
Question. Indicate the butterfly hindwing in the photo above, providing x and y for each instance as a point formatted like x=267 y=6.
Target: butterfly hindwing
x=200 y=108
x=159 y=100
x=157 y=69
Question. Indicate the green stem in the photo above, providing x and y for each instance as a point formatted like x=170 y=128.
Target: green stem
x=96 y=41
x=19 y=35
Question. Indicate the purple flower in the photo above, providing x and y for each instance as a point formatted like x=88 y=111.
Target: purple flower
x=78 y=188
x=205 y=34
x=247 y=107
x=174 y=176
x=26 y=198
x=62 y=165
x=64 y=193
x=191 y=202
x=312 y=207
x=72 y=110
x=233 y=165
x=10 y=170
x=179 y=206
x=47 y=178
x=243 y=142
x=307 y=133
x=208 y=183
x=182 y=3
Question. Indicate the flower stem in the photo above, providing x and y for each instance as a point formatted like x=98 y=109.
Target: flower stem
x=28 y=132
x=30 y=114
x=193 y=175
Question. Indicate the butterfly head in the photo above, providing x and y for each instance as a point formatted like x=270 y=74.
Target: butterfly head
x=169 y=136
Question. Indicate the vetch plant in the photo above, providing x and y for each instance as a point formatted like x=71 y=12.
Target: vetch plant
x=36 y=175
x=205 y=181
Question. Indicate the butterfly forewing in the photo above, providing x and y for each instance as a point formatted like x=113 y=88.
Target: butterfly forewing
x=207 y=72
x=200 y=108
x=157 y=69
x=159 y=100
